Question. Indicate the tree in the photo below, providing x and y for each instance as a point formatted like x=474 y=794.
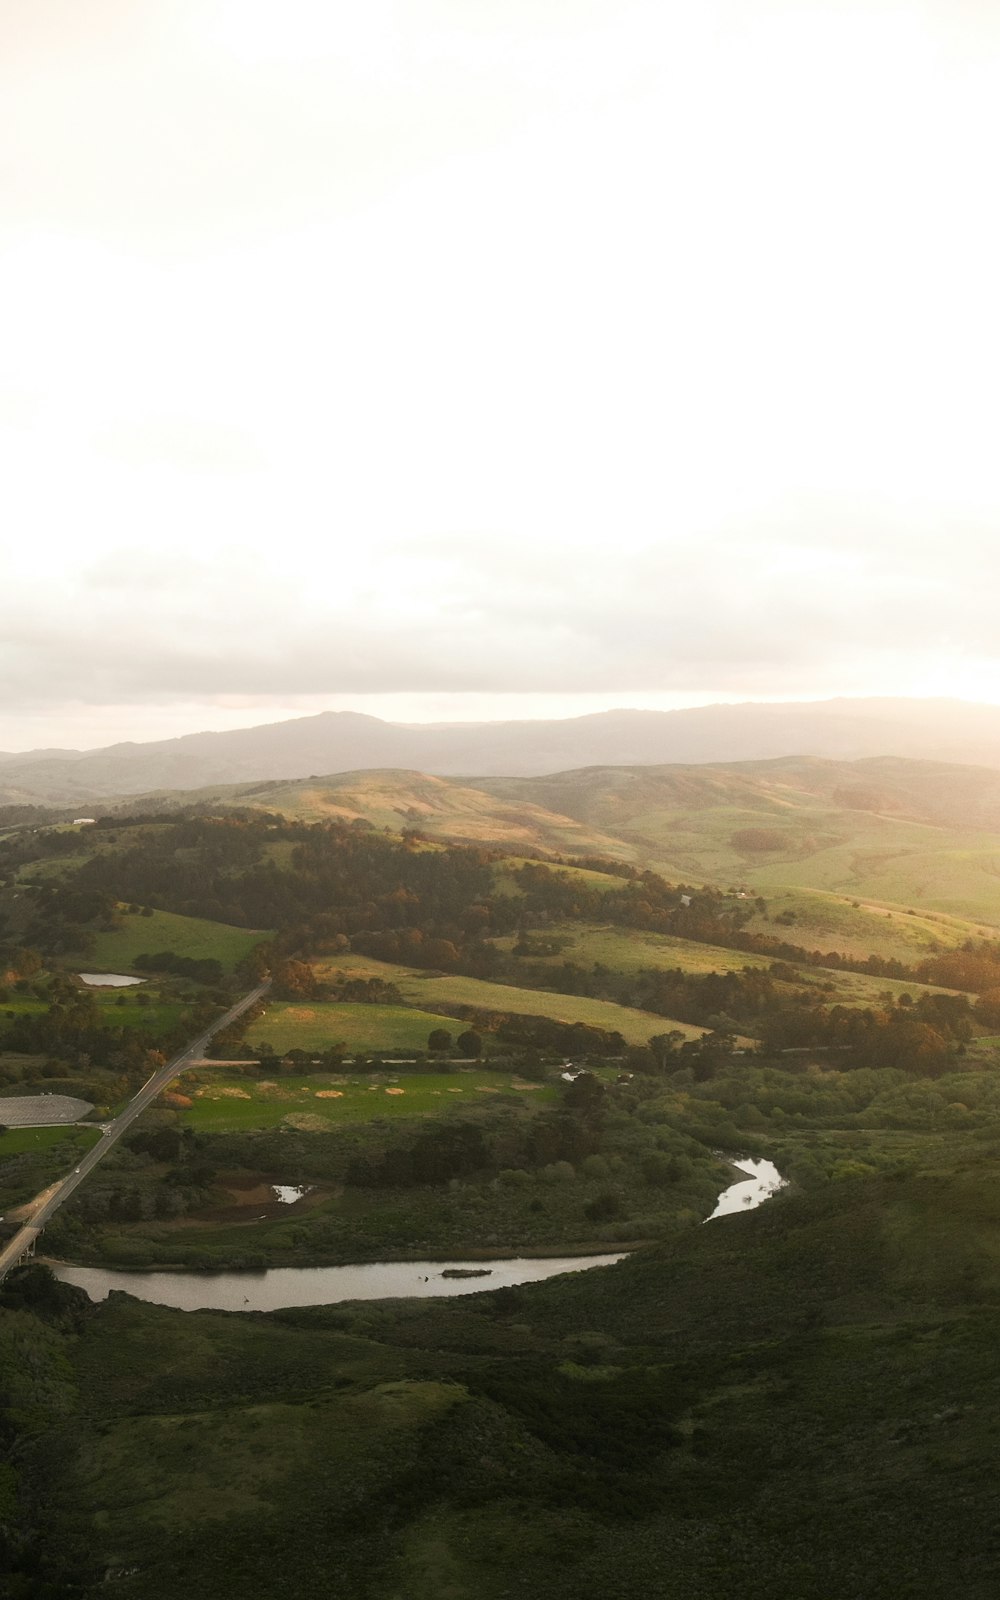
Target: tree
x=585 y=1093
x=470 y=1043
x=439 y=1040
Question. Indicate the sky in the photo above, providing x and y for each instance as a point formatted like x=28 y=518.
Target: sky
x=453 y=360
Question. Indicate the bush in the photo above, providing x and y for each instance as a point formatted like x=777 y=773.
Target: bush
x=604 y=1207
x=514 y=1177
x=557 y=1172
x=595 y=1167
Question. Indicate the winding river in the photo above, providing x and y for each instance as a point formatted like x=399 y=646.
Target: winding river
x=762 y=1182
x=278 y=1287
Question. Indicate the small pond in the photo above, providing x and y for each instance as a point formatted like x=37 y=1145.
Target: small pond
x=108 y=980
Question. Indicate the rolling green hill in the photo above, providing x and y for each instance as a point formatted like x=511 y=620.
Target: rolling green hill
x=902 y=834
x=194 y=937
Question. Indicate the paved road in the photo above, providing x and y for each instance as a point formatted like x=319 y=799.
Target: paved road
x=192 y=1055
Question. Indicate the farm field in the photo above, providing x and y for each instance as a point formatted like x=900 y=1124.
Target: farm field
x=629 y=951
x=182 y=936
x=318 y=1025
x=636 y=1027
x=227 y=1101
x=18 y=1141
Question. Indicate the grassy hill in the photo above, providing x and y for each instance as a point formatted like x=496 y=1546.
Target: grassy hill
x=903 y=834
x=897 y=831
x=900 y=832
x=165 y=930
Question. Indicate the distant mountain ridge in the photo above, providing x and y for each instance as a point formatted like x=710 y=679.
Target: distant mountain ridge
x=348 y=741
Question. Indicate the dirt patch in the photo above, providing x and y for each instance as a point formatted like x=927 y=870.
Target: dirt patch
x=485 y=1088
x=395 y=1091
x=301 y=1014
x=27 y=1211
x=529 y=1088
x=218 y=1091
x=456 y=1091
x=305 y=1122
x=329 y=1094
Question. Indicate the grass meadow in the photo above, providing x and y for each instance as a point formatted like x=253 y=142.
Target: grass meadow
x=449 y=989
x=183 y=936
x=227 y=1101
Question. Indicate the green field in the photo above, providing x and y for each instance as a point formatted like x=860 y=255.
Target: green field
x=319 y=1025
x=182 y=936
x=17 y=1141
x=636 y=1027
x=228 y=1101
x=629 y=951
x=504 y=875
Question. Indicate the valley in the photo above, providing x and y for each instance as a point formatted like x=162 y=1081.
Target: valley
x=475 y=1050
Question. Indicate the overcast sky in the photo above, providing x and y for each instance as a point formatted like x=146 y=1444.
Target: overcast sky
x=462 y=358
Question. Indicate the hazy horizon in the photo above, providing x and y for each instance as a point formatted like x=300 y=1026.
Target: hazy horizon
x=533 y=711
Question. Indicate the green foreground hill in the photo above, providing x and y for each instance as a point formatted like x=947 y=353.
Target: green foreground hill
x=793 y=1404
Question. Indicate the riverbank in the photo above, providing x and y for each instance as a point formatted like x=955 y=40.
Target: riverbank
x=270 y=1288
x=325 y=1260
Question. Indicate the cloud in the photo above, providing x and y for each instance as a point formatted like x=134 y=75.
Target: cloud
x=616 y=348
x=735 y=616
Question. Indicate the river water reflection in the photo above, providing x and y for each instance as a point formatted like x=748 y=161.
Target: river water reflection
x=380 y=1280
x=764 y=1180
x=320 y=1286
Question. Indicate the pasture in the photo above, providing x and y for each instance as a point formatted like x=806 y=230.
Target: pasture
x=859 y=926
x=28 y=1141
x=449 y=989
x=225 y=1102
x=182 y=936
x=320 y=1025
x=629 y=951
